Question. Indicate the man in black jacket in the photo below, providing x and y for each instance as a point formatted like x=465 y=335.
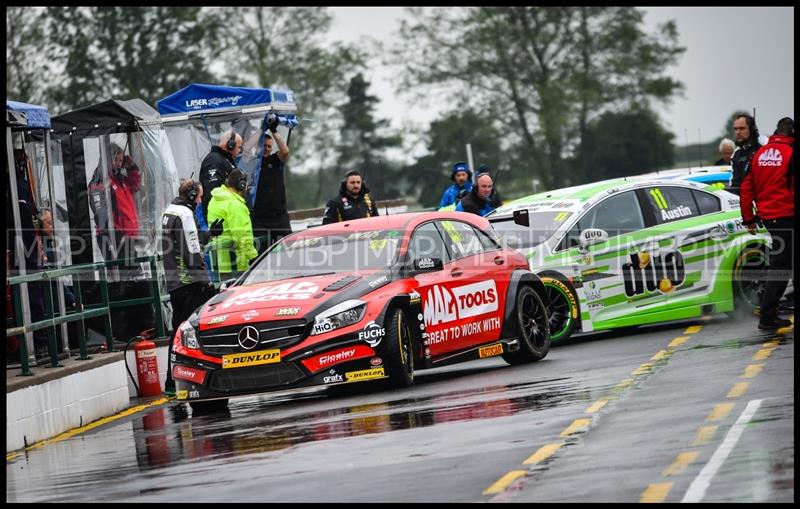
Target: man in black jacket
x=353 y=201
x=218 y=164
x=184 y=266
x=270 y=217
x=747 y=142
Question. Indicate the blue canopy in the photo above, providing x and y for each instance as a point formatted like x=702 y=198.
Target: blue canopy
x=38 y=116
x=201 y=98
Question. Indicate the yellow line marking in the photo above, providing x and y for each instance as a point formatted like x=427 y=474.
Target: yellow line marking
x=502 y=483
x=661 y=354
x=704 y=435
x=76 y=431
x=577 y=425
x=680 y=464
x=623 y=384
x=738 y=389
x=656 y=492
x=772 y=344
x=644 y=368
x=763 y=354
x=10 y=456
x=693 y=329
x=678 y=341
x=751 y=371
x=597 y=405
x=720 y=411
x=542 y=454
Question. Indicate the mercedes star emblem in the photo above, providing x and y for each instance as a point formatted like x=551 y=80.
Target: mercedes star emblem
x=248 y=337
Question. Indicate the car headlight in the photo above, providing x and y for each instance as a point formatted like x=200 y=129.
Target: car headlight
x=340 y=315
x=189 y=336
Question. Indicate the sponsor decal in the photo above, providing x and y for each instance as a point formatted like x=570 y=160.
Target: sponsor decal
x=733 y=202
x=646 y=274
x=592 y=293
x=337 y=356
x=444 y=305
x=241 y=360
x=249 y=315
x=333 y=378
x=194 y=394
x=324 y=326
x=188 y=374
x=491 y=350
x=376 y=361
x=595 y=305
x=217 y=319
x=283 y=291
x=676 y=213
x=425 y=263
x=198 y=104
x=420 y=317
x=414 y=298
x=182 y=394
x=372 y=334
x=287 y=311
x=378 y=282
x=366 y=374
x=587 y=259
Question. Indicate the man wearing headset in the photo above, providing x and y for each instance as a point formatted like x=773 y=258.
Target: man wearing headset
x=747 y=142
x=218 y=164
x=228 y=203
x=353 y=201
x=184 y=266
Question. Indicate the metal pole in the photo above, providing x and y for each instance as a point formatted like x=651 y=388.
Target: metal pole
x=469 y=161
x=20 y=247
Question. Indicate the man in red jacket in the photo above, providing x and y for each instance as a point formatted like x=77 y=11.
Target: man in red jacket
x=770 y=185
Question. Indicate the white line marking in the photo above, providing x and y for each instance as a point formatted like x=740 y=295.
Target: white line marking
x=697 y=489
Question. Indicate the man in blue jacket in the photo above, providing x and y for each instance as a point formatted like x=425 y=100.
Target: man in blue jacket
x=479 y=200
x=462 y=179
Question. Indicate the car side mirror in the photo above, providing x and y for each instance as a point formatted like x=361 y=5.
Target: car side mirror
x=428 y=264
x=592 y=236
x=521 y=217
x=225 y=284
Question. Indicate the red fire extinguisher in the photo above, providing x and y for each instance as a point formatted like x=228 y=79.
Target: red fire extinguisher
x=147 y=368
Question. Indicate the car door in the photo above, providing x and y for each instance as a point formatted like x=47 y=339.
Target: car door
x=477 y=284
x=689 y=246
x=615 y=273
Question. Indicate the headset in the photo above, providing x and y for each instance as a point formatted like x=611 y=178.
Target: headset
x=242 y=184
x=231 y=146
x=191 y=195
x=352 y=173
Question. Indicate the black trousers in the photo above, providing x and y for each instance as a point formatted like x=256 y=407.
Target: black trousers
x=271 y=229
x=184 y=300
x=780 y=264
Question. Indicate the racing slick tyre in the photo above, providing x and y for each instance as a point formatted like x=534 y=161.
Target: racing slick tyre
x=209 y=407
x=399 y=352
x=564 y=310
x=748 y=281
x=532 y=324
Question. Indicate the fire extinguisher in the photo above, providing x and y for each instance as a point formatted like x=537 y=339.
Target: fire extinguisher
x=147 y=368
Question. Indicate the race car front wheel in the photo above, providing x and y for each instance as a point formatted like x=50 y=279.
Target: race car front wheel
x=398 y=350
x=563 y=311
x=534 y=331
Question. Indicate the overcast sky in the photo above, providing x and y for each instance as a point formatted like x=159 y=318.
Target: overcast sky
x=735 y=58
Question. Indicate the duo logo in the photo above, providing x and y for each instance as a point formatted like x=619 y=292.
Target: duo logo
x=648 y=274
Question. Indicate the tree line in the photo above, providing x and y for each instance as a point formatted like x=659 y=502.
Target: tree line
x=564 y=95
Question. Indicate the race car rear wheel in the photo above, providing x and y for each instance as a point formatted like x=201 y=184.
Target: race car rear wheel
x=749 y=272
x=532 y=324
x=564 y=309
x=398 y=349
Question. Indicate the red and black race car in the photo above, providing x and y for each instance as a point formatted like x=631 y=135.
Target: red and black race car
x=371 y=299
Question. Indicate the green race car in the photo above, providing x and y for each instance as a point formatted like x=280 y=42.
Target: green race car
x=635 y=251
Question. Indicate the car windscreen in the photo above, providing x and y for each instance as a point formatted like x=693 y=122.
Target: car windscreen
x=332 y=253
x=543 y=225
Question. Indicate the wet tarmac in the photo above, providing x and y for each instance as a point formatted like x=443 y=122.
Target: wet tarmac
x=459 y=429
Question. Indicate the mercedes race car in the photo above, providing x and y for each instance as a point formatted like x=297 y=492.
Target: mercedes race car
x=634 y=251
x=370 y=299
